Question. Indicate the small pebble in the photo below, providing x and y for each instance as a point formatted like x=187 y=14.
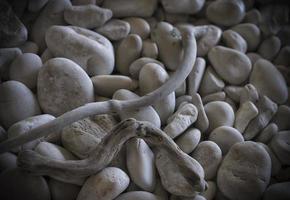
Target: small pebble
x=188 y=140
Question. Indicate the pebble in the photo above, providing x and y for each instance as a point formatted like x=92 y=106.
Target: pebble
x=147 y=113
x=90 y=50
x=253 y=16
x=245 y=172
x=202 y=122
x=62 y=86
x=138 y=64
x=269 y=81
x=107 y=85
x=217 y=96
x=127 y=52
x=210 y=192
x=25 y=69
x=276 y=164
x=234 y=41
x=149 y=50
x=138 y=26
x=251 y=33
x=267 y=133
x=254 y=57
x=209 y=155
x=195 y=76
x=183 y=118
x=3 y=134
x=269 y=48
x=105 y=185
x=141 y=164
x=25 y=125
x=17 y=102
x=7 y=161
x=278 y=191
x=140 y=195
x=225 y=137
x=114 y=29
x=281 y=118
x=62 y=191
x=233 y=66
x=219 y=113
x=283 y=56
x=17 y=184
x=87 y=16
x=246 y=112
x=280 y=144
x=12 y=32
x=226 y=12
x=7 y=56
x=233 y=92
x=188 y=140
x=29 y=47
x=182 y=7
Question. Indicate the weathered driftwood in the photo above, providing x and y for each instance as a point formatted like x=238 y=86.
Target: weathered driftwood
x=180 y=174
x=189 y=56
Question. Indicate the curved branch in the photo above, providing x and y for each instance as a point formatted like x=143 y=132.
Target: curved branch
x=189 y=45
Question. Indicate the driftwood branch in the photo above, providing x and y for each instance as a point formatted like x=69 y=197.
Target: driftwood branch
x=189 y=56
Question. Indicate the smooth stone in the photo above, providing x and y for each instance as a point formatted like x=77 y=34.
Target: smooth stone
x=217 y=96
x=114 y=29
x=29 y=47
x=127 y=52
x=210 y=192
x=245 y=171
x=140 y=195
x=107 y=85
x=202 y=122
x=269 y=81
x=211 y=82
x=233 y=66
x=160 y=191
x=7 y=161
x=147 y=113
x=226 y=12
x=269 y=48
x=86 y=2
x=183 y=6
x=46 y=55
x=225 y=137
x=87 y=16
x=281 y=118
x=188 y=141
x=183 y=118
x=283 y=56
x=149 y=50
x=197 y=197
x=12 y=32
x=3 y=134
x=253 y=16
x=233 y=92
x=16 y=184
x=24 y=126
x=25 y=69
x=137 y=65
x=280 y=144
x=92 y=51
x=62 y=191
x=219 y=113
x=105 y=185
x=277 y=191
x=141 y=164
x=195 y=76
x=267 y=133
x=17 y=102
x=131 y=8
x=52 y=14
x=54 y=151
x=7 y=55
x=254 y=57
x=251 y=33
x=151 y=77
x=276 y=164
x=62 y=86
x=138 y=26
x=209 y=155
x=234 y=41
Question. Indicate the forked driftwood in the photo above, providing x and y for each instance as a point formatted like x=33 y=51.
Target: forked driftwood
x=189 y=56
x=180 y=174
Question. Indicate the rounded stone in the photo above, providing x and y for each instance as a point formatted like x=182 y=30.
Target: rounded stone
x=219 y=113
x=245 y=172
x=140 y=195
x=278 y=191
x=7 y=161
x=225 y=137
x=232 y=65
x=62 y=191
x=280 y=144
x=188 y=140
x=62 y=86
x=25 y=69
x=16 y=184
x=269 y=81
x=17 y=102
x=139 y=26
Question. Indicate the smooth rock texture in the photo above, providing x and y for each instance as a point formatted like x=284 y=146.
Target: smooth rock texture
x=202 y=122
x=114 y=29
x=270 y=47
x=219 y=113
x=188 y=140
x=281 y=118
x=195 y=76
x=92 y=51
x=147 y=113
x=210 y=193
x=87 y=16
x=269 y=81
x=25 y=69
x=140 y=164
x=62 y=86
x=277 y=191
x=234 y=40
x=233 y=66
x=137 y=65
x=267 y=133
x=12 y=32
x=140 y=195
x=209 y=155
x=280 y=144
x=276 y=164
x=3 y=134
x=149 y=49
x=225 y=137
x=211 y=82
x=7 y=161
x=16 y=184
x=7 y=55
x=183 y=6
x=246 y=112
x=17 y=102
x=245 y=172
x=138 y=26
x=62 y=191
x=105 y=185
